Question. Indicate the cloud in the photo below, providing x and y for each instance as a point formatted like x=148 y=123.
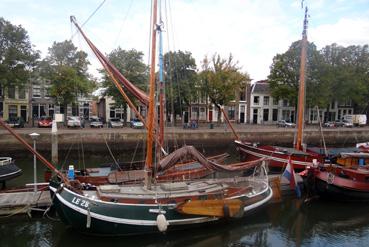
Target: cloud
x=344 y=32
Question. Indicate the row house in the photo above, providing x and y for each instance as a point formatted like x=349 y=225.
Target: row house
x=107 y=108
x=265 y=109
x=255 y=105
x=14 y=102
x=202 y=110
x=334 y=111
x=42 y=104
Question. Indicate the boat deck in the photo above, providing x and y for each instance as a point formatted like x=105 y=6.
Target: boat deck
x=168 y=190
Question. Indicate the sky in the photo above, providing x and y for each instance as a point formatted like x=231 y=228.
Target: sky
x=253 y=31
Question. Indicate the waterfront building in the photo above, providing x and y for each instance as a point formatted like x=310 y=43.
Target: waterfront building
x=41 y=103
x=14 y=102
x=264 y=109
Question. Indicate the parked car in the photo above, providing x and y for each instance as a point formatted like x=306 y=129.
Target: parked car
x=115 y=123
x=285 y=124
x=96 y=122
x=15 y=122
x=329 y=125
x=339 y=123
x=45 y=122
x=348 y=124
x=75 y=122
x=136 y=124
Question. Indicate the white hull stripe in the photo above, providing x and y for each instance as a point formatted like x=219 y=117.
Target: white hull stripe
x=259 y=155
x=9 y=174
x=130 y=221
x=259 y=203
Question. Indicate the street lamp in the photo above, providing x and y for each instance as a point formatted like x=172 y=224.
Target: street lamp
x=34 y=137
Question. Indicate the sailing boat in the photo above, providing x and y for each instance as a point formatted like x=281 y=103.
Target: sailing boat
x=156 y=206
x=8 y=169
x=184 y=170
x=279 y=156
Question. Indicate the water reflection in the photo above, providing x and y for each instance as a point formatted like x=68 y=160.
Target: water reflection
x=290 y=223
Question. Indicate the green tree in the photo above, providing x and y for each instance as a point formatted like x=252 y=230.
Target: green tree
x=181 y=78
x=221 y=79
x=66 y=68
x=17 y=58
x=130 y=64
x=348 y=70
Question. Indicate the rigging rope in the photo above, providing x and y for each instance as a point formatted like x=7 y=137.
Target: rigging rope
x=111 y=154
x=93 y=13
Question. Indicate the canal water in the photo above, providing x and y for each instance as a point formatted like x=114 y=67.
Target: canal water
x=289 y=223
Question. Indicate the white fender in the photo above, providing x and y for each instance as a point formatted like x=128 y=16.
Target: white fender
x=162 y=223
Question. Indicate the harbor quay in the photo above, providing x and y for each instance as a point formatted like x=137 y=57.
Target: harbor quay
x=219 y=136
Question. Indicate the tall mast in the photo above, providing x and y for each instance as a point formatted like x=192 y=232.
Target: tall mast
x=161 y=83
x=301 y=97
x=151 y=115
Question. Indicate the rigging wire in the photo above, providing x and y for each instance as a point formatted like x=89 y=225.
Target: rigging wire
x=93 y=13
x=123 y=23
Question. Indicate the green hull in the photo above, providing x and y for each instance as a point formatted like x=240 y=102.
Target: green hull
x=110 y=218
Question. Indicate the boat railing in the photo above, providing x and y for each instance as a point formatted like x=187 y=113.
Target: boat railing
x=5 y=161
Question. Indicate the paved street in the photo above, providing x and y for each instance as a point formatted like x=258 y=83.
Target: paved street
x=179 y=129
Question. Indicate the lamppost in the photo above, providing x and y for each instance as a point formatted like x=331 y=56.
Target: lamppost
x=34 y=137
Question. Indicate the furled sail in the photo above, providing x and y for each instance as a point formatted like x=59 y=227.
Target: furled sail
x=138 y=93
x=191 y=152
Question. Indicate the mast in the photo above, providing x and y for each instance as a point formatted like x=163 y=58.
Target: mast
x=151 y=115
x=161 y=83
x=301 y=96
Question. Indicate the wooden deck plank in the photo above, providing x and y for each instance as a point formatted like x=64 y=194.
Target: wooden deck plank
x=12 y=203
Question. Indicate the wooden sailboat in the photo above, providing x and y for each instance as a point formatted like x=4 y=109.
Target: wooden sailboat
x=279 y=156
x=156 y=206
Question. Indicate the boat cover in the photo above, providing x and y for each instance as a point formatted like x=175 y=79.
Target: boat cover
x=187 y=152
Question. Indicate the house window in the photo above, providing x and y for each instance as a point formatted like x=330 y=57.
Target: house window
x=36 y=91
x=275 y=101
x=21 y=93
x=231 y=111
x=285 y=103
x=51 y=110
x=266 y=100
x=117 y=112
x=11 y=92
x=202 y=113
x=1 y=109
x=47 y=91
x=242 y=96
x=256 y=100
x=194 y=111
x=13 y=111
x=1 y=91
x=266 y=115
x=275 y=114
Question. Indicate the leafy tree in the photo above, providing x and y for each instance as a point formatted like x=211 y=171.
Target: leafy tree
x=349 y=71
x=221 y=79
x=66 y=68
x=181 y=78
x=17 y=58
x=130 y=64
x=285 y=73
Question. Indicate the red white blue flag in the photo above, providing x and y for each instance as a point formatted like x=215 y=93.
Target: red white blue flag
x=289 y=173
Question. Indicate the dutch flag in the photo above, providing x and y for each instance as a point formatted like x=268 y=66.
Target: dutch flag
x=289 y=173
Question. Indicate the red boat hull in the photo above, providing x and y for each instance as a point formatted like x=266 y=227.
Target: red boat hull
x=278 y=158
x=339 y=183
